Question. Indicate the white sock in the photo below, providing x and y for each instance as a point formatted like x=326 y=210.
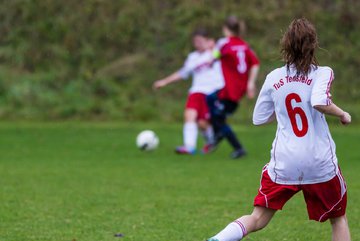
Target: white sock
x=209 y=135
x=190 y=133
x=233 y=232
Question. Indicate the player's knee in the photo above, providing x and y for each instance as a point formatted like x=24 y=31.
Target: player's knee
x=203 y=124
x=256 y=219
x=219 y=119
x=260 y=220
x=190 y=119
x=190 y=116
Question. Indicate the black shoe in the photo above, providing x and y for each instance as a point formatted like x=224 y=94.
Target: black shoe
x=238 y=153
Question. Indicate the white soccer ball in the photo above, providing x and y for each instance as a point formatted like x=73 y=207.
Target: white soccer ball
x=147 y=140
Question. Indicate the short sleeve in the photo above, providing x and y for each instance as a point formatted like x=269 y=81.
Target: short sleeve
x=186 y=70
x=220 y=45
x=253 y=59
x=320 y=94
x=264 y=107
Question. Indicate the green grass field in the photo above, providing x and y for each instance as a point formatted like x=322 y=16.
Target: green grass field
x=85 y=181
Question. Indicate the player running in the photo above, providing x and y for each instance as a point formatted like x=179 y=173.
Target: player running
x=303 y=154
x=240 y=67
x=206 y=79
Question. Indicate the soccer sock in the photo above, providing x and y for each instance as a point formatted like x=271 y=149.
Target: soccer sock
x=209 y=135
x=233 y=232
x=190 y=133
x=231 y=137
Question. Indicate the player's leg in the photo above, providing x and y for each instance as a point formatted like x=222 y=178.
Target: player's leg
x=219 y=109
x=204 y=120
x=190 y=128
x=206 y=130
x=190 y=132
x=271 y=197
x=218 y=115
x=215 y=110
x=229 y=108
x=328 y=200
x=258 y=219
x=340 y=229
x=244 y=225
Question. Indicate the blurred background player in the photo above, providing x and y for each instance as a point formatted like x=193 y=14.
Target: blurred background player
x=303 y=154
x=240 y=68
x=206 y=78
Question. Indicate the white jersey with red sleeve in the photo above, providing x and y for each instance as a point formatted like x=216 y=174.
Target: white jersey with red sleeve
x=207 y=76
x=303 y=151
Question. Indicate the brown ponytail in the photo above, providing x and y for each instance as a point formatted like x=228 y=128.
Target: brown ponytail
x=235 y=26
x=298 y=45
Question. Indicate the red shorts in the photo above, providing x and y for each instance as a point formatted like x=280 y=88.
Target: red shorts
x=323 y=200
x=197 y=101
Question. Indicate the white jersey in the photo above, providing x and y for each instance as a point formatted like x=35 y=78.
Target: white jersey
x=207 y=78
x=303 y=151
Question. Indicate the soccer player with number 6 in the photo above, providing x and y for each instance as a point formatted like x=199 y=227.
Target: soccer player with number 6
x=303 y=154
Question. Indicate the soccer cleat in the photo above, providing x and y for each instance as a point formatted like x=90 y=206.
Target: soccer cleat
x=208 y=148
x=238 y=153
x=212 y=239
x=211 y=146
x=184 y=150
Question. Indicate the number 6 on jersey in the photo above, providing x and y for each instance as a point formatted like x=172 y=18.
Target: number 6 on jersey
x=292 y=112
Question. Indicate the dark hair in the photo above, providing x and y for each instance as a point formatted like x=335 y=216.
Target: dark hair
x=200 y=32
x=236 y=26
x=298 y=45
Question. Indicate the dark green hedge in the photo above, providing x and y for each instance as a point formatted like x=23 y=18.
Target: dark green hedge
x=97 y=59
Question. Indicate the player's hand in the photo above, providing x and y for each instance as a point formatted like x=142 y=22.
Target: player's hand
x=251 y=91
x=159 y=84
x=345 y=119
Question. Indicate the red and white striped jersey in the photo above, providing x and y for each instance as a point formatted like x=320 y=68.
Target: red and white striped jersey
x=303 y=151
